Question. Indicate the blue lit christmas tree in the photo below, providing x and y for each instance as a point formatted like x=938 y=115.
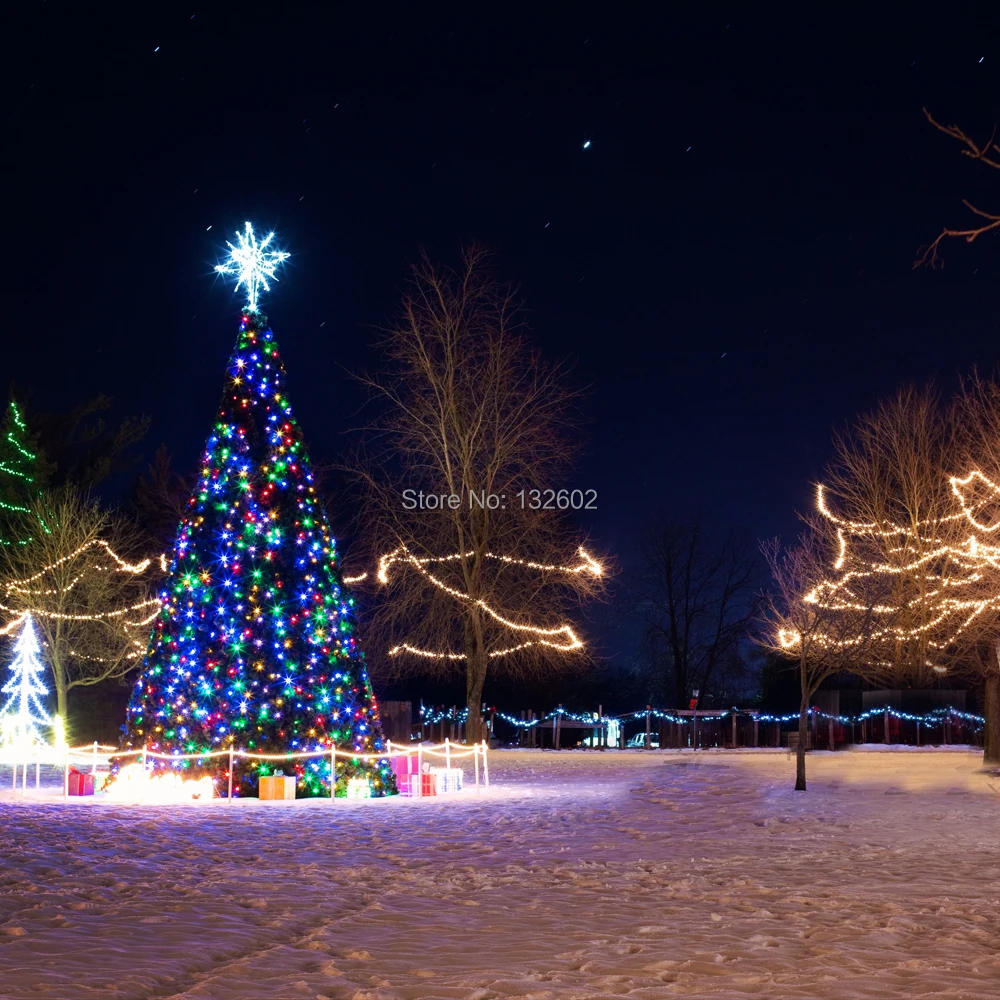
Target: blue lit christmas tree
x=254 y=647
x=23 y=715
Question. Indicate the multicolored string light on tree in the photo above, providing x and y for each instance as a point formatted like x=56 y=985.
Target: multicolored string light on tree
x=254 y=647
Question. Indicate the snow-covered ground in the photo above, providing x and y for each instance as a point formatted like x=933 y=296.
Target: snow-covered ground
x=623 y=874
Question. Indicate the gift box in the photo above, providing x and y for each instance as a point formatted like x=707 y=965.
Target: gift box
x=276 y=786
x=359 y=788
x=417 y=785
x=449 y=779
x=404 y=764
x=80 y=783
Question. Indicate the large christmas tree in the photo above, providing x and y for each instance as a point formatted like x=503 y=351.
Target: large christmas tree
x=254 y=647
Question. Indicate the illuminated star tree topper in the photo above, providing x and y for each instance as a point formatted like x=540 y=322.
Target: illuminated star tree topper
x=252 y=263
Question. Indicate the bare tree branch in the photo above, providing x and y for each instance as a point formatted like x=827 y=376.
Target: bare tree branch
x=92 y=606
x=466 y=407
x=817 y=639
x=694 y=595
x=930 y=255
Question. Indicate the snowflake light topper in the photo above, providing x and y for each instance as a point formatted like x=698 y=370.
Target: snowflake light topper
x=252 y=263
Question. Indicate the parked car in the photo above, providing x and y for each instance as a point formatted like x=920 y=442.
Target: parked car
x=639 y=740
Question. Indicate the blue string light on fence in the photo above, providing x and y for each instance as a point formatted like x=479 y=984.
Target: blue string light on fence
x=935 y=717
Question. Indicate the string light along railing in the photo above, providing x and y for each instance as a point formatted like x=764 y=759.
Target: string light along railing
x=561 y=637
x=435 y=716
x=98 y=755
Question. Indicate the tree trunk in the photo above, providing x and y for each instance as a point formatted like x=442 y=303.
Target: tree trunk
x=680 y=690
x=991 y=709
x=475 y=676
x=800 y=750
x=62 y=689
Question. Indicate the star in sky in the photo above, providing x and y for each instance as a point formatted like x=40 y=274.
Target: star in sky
x=252 y=263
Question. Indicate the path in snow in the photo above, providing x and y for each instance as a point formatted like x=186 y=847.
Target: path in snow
x=579 y=875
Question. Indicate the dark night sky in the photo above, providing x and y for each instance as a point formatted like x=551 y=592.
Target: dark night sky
x=755 y=189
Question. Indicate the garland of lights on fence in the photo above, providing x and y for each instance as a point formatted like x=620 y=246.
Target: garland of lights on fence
x=936 y=717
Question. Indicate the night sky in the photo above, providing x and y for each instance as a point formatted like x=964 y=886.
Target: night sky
x=728 y=265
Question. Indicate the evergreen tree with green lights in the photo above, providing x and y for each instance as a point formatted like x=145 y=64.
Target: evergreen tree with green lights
x=22 y=475
x=254 y=648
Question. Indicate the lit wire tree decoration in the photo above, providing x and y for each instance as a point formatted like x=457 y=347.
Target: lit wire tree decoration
x=23 y=712
x=252 y=263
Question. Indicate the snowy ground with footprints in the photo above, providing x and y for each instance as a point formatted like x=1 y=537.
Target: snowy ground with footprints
x=577 y=874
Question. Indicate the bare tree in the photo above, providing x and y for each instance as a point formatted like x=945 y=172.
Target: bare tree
x=820 y=640
x=161 y=497
x=694 y=595
x=978 y=646
x=985 y=152
x=888 y=494
x=92 y=607
x=916 y=539
x=84 y=446
x=480 y=569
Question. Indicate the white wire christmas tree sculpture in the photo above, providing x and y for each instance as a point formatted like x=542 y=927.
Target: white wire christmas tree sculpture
x=23 y=715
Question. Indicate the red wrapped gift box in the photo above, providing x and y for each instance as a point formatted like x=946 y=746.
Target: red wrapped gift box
x=414 y=785
x=80 y=784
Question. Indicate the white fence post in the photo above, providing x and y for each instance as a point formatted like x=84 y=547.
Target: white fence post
x=66 y=773
x=447 y=752
x=475 y=758
x=420 y=772
x=486 y=766
x=333 y=772
x=231 y=772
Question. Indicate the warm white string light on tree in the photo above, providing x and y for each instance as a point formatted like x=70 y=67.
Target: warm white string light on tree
x=560 y=637
x=22 y=591
x=952 y=582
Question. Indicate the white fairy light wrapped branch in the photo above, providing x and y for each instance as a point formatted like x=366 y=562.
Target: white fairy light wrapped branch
x=560 y=637
x=929 y=582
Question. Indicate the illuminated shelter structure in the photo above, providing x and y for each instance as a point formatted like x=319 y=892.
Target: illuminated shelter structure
x=254 y=647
